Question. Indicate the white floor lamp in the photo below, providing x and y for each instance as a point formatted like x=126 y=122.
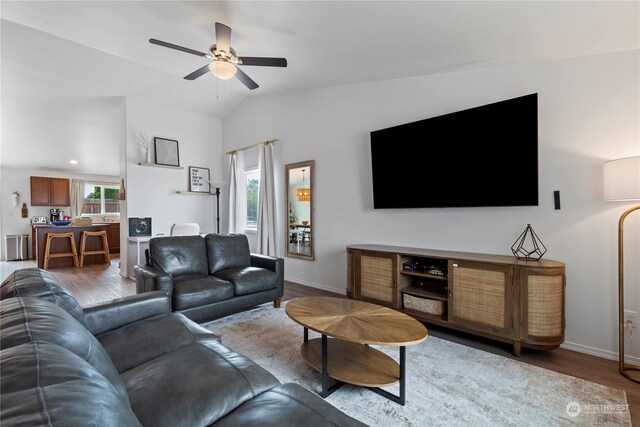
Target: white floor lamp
x=622 y=183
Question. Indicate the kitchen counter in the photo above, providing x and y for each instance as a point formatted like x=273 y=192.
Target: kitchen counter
x=62 y=245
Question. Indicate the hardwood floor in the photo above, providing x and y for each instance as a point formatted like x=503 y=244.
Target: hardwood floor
x=89 y=284
x=95 y=283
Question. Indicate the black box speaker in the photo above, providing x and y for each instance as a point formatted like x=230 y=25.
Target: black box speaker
x=139 y=227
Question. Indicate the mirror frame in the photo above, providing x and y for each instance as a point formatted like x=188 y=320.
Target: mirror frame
x=311 y=164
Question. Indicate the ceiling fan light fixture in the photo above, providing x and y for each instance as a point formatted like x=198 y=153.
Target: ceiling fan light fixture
x=224 y=60
x=222 y=69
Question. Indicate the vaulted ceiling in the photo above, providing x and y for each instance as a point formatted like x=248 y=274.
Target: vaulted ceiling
x=65 y=53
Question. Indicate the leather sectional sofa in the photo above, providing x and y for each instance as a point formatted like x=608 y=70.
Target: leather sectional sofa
x=210 y=277
x=131 y=362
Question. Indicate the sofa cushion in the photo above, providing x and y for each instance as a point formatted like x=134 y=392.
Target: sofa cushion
x=249 y=280
x=227 y=251
x=35 y=282
x=136 y=343
x=44 y=384
x=194 y=386
x=179 y=255
x=195 y=290
x=24 y=320
x=288 y=405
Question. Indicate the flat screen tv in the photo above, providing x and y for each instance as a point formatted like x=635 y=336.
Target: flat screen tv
x=483 y=156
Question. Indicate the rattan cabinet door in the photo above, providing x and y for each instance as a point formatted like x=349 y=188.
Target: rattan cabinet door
x=542 y=306
x=375 y=279
x=480 y=297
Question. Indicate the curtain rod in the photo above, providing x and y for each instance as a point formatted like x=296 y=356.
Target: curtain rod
x=248 y=147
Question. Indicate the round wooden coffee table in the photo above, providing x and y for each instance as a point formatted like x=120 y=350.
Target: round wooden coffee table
x=354 y=325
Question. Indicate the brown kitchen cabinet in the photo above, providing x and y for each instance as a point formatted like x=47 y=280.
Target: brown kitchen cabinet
x=47 y=191
x=494 y=296
x=113 y=238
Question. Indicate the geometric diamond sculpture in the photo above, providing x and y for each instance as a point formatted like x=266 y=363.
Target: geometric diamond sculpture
x=528 y=246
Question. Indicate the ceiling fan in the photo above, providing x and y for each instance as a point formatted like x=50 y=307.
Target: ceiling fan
x=225 y=62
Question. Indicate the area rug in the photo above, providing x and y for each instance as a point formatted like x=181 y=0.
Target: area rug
x=448 y=384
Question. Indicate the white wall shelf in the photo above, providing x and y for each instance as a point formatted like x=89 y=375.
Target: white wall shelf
x=197 y=193
x=153 y=165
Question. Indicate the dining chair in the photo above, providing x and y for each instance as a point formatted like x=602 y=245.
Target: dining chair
x=185 y=229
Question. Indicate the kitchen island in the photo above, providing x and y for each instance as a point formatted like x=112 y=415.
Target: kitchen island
x=63 y=245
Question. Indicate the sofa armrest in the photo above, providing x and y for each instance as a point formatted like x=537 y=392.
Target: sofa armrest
x=151 y=279
x=270 y=263
x=106 y=316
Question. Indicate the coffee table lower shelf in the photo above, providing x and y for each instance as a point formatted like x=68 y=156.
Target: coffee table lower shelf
x=356 y=364
x=352 y=363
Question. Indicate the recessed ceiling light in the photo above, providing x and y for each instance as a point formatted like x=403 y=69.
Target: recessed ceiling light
x=73 y=162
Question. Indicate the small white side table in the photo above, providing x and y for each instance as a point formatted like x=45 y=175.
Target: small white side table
x=137 y=241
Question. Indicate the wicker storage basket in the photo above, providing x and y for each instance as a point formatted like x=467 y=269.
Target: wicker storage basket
x=424 y=305
x=82 y=221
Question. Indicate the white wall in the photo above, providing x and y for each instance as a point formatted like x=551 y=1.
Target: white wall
x=48 y=130
x=151 y=191
x=588 y=113
x=18 y=179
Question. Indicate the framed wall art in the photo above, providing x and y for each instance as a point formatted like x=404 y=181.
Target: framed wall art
x=199 y=179
x=166 y=151
x=140 y=227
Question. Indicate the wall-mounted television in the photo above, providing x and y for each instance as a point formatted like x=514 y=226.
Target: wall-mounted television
x=482 y=156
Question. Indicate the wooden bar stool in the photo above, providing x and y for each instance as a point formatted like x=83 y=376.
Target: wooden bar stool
x=47 y=249
x=105 y=246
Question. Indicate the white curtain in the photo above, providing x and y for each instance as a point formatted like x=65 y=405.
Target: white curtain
x=77 y=197
x=237 y=194
x=267 y=210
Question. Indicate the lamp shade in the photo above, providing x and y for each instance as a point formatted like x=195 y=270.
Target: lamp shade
x=304 y=194
x=222 y=69
x=622 y=179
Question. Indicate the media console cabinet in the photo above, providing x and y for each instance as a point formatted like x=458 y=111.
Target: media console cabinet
x=494 y=296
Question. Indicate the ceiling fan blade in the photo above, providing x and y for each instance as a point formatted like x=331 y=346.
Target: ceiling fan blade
x=263 y=62
x=176 y=47
x=197 y=73
x=246 y=80
x=223 y=37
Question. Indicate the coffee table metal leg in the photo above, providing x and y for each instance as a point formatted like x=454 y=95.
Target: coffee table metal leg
x=306 y=334
x=325 y=362
x=326 y=390
x=400 y=399
x=403 y=373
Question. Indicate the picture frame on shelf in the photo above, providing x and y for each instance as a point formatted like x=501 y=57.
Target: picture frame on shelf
x=199 y=179
x=140 y=227
x=166 y=151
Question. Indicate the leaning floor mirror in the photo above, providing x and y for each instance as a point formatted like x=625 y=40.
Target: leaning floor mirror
x=300 y=226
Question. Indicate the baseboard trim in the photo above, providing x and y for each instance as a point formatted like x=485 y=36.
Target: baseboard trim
x=315 y=285
x=610 y=355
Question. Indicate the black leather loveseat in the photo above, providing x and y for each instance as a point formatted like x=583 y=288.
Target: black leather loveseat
x=131 y=362
x=212 y=276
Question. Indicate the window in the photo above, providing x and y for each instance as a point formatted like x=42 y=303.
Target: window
x=101 y=199
x=252 y=182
